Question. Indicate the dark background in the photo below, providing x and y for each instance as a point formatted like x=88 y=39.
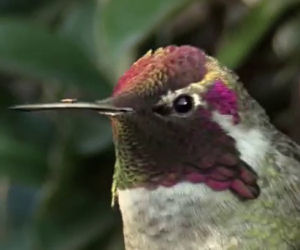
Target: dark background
x=56 y=168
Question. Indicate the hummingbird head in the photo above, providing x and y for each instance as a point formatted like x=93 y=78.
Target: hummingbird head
x=178 y=116
x=184 y=106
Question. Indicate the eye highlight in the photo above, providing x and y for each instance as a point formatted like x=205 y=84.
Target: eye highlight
x=183 y=104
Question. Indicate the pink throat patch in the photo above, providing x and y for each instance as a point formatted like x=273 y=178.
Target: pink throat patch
x=235 y=176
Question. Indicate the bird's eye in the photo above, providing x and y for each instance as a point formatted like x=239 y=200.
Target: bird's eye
x=183 y=104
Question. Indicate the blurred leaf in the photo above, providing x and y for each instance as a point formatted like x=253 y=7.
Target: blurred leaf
x=79 y=25
x=87 y=221
x=93 y=136
x=287 y=39
x=71 y=217
x=20 y=160
x=124 y=23
x=19 y=240
x=11 y=6
x=239 y=43
x=75 y=208
x=21 y=205
x=32 y=50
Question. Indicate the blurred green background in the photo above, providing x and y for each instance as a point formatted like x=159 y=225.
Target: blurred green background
x=56 y=168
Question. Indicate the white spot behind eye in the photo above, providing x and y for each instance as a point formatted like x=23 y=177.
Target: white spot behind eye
x=198 y=101
x=252 y=144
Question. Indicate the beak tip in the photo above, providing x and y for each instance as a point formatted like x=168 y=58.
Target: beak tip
x=14 y=107
x=19 y=108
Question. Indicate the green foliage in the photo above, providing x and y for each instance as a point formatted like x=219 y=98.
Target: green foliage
x=56 y=168
x=240 y=42
x=287 y=39
x=32 y=50
x=123 y=24
x=30 y=158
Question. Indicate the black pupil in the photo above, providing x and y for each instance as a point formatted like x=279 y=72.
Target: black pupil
x=183 y=104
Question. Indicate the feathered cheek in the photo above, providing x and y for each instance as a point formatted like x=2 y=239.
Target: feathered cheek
x=222 y=99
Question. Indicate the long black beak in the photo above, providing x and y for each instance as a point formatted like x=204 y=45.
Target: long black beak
x=105 y=107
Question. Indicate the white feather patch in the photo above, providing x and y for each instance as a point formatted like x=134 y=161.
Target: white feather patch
x=251 y=142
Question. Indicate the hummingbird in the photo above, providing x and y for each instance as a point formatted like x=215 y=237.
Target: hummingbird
x=198 y=163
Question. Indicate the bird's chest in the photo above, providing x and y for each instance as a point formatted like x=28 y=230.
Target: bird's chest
x=184 y=216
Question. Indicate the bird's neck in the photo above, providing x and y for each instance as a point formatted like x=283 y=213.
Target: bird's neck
x=178 y=217
x=193 y=216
